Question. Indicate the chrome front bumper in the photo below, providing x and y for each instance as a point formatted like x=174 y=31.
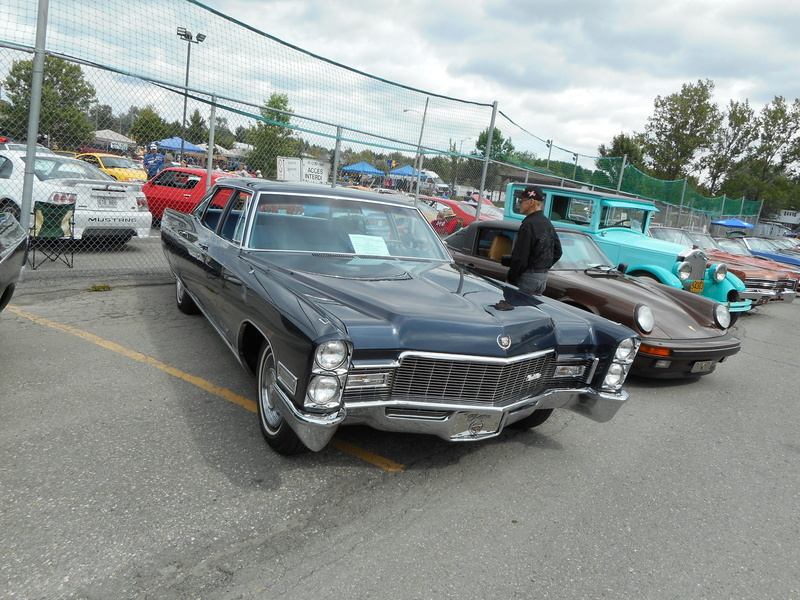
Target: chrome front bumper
x=761 y=297
x=452 y=421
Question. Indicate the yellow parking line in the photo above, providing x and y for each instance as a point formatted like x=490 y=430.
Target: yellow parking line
x=379 y=461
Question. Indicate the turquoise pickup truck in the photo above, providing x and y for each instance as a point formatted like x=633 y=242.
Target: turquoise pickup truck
x=619 y=226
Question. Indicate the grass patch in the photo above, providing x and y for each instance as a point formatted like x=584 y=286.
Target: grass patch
x=99 y=287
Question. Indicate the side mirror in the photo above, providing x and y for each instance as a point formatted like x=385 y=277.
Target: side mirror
x=505 y=260
x=622 y=268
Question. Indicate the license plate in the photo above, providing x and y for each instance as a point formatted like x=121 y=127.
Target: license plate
x=703 y=366
x=476 y=424
x=106 y=202
x=697 y=286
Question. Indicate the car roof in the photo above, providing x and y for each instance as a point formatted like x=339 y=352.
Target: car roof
x=309 y=189
x=102 y=154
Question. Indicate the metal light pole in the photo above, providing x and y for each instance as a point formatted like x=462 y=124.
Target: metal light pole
x=460 y=151
x=190 y=39
x=419 y=147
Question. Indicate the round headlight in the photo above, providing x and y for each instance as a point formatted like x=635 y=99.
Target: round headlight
x=644 y=318
x=324 y=391
x=684 y=271
x=722 y=316
x=615 y=376
x=626 y=350
x=331 y=355
x=720 y=272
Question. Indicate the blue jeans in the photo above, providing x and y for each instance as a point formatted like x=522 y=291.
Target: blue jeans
x=532 y=283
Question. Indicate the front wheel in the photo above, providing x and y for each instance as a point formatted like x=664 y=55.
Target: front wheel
x=274 y=428
x=535 y=419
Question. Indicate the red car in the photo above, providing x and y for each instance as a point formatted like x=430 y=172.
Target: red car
x=461 y=210
x=179 y=188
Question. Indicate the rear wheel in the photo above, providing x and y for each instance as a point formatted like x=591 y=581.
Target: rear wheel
x=535 y=419
x=184 y=301
x=274 y=428
x=11 y=207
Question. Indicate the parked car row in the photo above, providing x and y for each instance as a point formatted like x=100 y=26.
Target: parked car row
x=683 y=334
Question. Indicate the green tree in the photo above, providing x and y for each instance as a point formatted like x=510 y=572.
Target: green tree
x=66 y=99
x=622 y=145
x=223 y=136
x=272 y=137
x=682 y=127
x=502 y=148
x=731 y=143
x=196 y=130
x=149 y=127
x=765 y=172
x=101 y=116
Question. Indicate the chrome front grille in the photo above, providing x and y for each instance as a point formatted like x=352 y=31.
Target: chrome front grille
x=435 y=379
x=760 y=283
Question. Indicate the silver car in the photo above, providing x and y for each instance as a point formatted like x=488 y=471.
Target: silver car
x=104 y=207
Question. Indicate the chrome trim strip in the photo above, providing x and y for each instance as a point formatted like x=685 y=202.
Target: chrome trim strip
x=479 y=359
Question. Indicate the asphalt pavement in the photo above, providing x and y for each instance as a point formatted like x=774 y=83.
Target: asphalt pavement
x=133 y=467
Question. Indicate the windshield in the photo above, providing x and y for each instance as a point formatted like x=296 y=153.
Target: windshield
x=706 y=241
x=761 y=245
x=676 y=236
x=119 y=162
x=733 y=246
x=340 y=226
x=56 y=167
x=579 y=252
x=618 y=216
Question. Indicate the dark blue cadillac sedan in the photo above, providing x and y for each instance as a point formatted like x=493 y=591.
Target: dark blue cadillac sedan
x=348 y=309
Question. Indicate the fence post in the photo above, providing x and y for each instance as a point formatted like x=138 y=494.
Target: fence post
x=212 y=130
x=486 y=161
x=336 y=156
x=33 y=114
x=622 y=171
x=419 y=150
x=683 y=195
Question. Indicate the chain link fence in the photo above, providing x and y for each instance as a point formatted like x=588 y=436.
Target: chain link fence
x=213 y=92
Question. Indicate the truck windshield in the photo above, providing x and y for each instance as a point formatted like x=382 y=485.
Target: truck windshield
x=617 y=216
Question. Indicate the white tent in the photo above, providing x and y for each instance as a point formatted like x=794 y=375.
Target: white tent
x=218 y=150
x=112 y=137
x=240 y=149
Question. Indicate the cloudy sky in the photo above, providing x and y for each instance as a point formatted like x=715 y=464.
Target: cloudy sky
x=577 y=72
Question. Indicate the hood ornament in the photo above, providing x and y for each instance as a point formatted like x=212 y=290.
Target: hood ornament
x=504 y=341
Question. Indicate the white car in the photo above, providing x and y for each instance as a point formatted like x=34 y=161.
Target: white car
x=104 y=207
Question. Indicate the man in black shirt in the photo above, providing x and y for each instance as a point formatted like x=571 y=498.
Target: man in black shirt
x=536 y=247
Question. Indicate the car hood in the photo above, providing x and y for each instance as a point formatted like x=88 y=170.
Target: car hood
x=734 y=262
x=429 y=306
x=678 y=315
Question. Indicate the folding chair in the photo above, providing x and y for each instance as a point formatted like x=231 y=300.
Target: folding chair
x=53 y=233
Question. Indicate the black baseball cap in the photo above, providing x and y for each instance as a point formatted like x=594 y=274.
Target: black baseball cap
x=533 y=192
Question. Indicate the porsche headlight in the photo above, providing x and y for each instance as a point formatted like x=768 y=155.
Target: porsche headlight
x=644 y=318
x=323 y=392
x=684 y=271
x=718 y=272
x=722 y=316
x=330 y=355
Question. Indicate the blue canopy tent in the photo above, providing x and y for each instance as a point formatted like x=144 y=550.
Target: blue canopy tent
x=407 y=171
x=174 y=143
x=733 y=222
x=363 y=168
